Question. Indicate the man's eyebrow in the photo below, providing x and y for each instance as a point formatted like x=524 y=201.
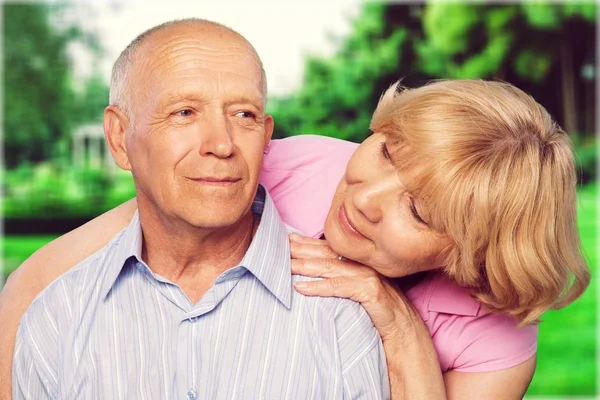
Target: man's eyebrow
x=255 y=101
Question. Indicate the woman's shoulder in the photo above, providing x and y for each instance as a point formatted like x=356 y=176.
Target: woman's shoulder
x=301 y=174
x=307 y=153
x=467 y=337
x=439 y=294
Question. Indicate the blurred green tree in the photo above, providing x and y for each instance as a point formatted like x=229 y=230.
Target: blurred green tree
x=528 y=40
x=538 y=46
x=338 y=95
x=39 y=100
x=91 y=101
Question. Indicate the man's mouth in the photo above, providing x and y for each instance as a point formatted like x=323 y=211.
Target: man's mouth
x=216 y=181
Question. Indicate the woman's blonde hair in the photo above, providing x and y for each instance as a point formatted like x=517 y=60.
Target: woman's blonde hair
x=497 y=177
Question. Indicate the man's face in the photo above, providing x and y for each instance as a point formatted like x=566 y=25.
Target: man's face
x=199 y=128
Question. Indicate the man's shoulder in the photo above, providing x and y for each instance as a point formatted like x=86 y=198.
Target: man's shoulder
x=352 y=330
x=338 y=310
x=58 y=299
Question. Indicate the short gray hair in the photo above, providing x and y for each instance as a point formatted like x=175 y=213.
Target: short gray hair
x=118 y=95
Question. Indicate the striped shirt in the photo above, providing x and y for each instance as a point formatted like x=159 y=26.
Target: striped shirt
x=110 y=328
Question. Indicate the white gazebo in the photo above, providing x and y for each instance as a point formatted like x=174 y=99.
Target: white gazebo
x=90 y=148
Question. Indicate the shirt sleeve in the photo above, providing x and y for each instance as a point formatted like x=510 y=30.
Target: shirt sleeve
x=28 y=380
x=490 y=343
x=364 y=368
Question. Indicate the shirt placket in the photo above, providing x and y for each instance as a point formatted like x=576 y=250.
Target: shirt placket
x=190 y=344
x=187 y=365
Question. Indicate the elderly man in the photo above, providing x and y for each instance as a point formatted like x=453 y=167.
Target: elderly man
x=194 y=298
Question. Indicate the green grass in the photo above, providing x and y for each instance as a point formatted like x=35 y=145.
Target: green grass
x=567 y=341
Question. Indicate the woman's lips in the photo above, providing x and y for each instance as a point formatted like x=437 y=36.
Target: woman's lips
x=347 y=224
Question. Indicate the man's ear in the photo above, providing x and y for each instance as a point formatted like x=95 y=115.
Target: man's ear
x=269 y=126
x=115 y=124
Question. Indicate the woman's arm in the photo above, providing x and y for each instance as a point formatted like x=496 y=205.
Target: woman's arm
x=510 y=383
x=42 y=267
x=413 y=365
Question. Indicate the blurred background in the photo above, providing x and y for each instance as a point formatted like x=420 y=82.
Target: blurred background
x=327 y=65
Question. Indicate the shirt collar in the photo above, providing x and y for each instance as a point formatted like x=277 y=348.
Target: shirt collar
x=126 y=245
x=446 y=296
x=267 y=257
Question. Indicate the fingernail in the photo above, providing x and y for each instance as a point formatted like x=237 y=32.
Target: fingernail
x=301 y=285
x=294 y=237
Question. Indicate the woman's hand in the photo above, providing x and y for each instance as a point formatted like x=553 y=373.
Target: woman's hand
x=411 y=357
x=391 y=312
x=384 y=303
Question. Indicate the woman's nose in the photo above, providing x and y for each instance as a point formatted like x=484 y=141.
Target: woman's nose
x=367 y=200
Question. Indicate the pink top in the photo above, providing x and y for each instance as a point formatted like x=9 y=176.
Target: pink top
x=302 y=173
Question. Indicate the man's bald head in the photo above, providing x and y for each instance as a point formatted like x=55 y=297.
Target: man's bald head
x=123 y=67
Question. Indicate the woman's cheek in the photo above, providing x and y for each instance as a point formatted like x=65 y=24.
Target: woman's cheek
x=403 y=245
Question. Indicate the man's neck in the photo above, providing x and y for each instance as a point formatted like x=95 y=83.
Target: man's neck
x=193 y=257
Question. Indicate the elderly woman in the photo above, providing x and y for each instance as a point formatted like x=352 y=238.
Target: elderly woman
x=454 y=225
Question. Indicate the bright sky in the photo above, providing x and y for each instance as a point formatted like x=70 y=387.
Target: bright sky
x=282 y=31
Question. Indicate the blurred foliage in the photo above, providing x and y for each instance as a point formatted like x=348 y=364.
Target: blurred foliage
x=586 y=152
x=515 y=42
x=91 y=100
x=37 y=81
x=41 y=107
x=334 y=93
x=464 y=40
x=53 y=190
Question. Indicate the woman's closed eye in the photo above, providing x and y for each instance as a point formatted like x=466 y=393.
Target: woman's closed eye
x=385 y=152
x=415 y=212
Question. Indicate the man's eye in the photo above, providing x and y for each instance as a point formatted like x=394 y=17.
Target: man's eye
x=184 y=113
x=246 y=114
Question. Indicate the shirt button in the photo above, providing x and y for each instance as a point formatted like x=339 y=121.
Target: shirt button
x=191 y=395
x=192 y=320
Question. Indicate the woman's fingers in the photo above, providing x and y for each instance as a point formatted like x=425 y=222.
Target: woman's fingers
x=349 y=287
x=334 y=287
x=330 y=268
x=295 y=237
x=381 y=303
x=311 y=250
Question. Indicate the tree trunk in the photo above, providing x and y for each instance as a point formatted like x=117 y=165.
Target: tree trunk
x=590 y=108
x=568 y=88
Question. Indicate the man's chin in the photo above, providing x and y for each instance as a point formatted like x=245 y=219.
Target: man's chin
x=219 y=217
x=213 y=223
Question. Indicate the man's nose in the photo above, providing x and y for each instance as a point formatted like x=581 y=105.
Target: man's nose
x=216 y=136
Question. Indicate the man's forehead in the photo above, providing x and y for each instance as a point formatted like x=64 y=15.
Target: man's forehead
x=199 y=35
x=185 y=54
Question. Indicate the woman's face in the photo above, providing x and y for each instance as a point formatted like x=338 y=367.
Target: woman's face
x=374 y=220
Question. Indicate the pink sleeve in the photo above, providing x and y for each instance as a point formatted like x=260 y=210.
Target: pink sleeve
x=301 y=174
x=466 y=337
x=488 y=342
